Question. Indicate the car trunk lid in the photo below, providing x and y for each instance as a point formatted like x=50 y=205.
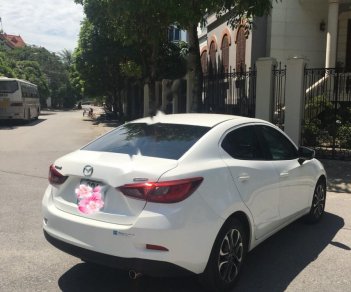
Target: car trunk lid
x=109 y=171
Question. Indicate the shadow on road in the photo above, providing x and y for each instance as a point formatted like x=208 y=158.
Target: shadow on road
x=102 y=122
x=11 y=125
x=272 y=266
x=339 y=175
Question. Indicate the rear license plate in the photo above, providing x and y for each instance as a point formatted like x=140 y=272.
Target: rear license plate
x=91 y=183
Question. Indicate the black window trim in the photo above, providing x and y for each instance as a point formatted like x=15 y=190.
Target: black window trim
x=264 y=144
x=261 y=139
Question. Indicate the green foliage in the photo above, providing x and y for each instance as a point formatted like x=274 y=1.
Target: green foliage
x=344 y=135
x=311 y=132
x=43 y=68
x=6 y=66
x=141 y=26
x=324 y=122
x=31 y=71
x=121 y=41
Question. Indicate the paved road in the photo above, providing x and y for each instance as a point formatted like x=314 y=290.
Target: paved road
x=299 y=258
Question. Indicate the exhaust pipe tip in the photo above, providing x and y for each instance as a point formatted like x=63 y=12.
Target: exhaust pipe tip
x=134 y=275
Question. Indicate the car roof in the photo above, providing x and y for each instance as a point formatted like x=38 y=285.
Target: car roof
x=196 y=119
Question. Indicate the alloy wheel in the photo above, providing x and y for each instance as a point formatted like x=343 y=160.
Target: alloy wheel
x=318 y=201
x=230 y=255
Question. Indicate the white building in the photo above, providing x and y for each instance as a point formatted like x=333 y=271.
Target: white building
x=317 y=30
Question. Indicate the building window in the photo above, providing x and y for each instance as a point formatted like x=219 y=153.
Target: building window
x=174 y=34
x=213 y=54
x=225 y=53
x=204 y=62
x=240 y=49
x=348 y=47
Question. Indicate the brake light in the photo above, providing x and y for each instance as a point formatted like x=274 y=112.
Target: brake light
x=56 y=178
x=162 y=192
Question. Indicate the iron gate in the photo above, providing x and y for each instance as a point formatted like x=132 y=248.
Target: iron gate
x=327 y=115
x=232 y=92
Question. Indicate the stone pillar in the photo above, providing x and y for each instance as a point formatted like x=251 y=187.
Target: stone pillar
x=165 y=93
x=146 y=100
x=264 y=88
x=332 y=33
x=158 y=95
x=294 y=98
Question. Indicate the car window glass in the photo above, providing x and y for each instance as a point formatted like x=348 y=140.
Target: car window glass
x=243 y=144
x=169 y=141
x=279 y=147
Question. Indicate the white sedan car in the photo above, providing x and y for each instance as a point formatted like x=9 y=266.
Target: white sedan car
x=184 y=193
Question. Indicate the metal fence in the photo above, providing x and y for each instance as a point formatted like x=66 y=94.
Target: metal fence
x=232 y=92
x=327 y=112
x=279 y=84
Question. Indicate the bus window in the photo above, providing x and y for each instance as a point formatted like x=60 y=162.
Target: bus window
x=8 y=86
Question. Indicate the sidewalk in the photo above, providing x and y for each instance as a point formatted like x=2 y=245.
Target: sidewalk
x=339 y=175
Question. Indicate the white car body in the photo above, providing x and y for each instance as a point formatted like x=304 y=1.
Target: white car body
x=267 y=194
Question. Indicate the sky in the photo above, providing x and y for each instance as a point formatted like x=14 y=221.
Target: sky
x=52 y=24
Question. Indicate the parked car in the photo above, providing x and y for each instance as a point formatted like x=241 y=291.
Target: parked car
x=179 y=194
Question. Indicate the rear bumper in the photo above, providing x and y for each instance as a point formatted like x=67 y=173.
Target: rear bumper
x=144 y=266
x=188 y=240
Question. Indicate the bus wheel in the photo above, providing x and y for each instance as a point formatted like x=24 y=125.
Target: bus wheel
x=38 y=113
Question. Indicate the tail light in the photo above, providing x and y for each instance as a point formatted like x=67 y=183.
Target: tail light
x=162 y=192
x=56 y=178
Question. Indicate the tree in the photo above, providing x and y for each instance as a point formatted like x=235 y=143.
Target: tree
x=54 y=80
x=143 y=24
x=6 y=66
x=99 y=62
x=66 y=58
x=139 y=32
x=31 y=71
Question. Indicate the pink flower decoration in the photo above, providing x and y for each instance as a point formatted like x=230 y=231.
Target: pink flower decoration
x=91 y=205
x=89 y=200
x=83 y=191
x=97 y=190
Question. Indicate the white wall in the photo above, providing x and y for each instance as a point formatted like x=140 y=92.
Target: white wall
x=295 y=31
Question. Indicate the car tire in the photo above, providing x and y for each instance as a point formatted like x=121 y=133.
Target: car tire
x=318 y=202
x=227 y=257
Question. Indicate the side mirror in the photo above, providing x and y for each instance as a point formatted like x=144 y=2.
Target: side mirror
x=305 y=154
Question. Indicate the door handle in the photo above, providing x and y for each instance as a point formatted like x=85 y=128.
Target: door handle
x=244 y=177
x=284 y=174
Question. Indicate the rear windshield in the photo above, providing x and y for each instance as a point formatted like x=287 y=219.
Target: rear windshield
x=168 y=141
x=8 y=86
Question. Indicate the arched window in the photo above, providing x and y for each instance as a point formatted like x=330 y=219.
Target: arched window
x=213 y=54
x=225 y=53
x=240 y=49
x=204 y=62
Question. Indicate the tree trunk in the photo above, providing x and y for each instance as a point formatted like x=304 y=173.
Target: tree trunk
x=194 y=68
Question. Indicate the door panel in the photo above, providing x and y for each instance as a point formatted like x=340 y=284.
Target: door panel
x=256 y=179
x=258 y=185
x=294 y=179
x=294 y=187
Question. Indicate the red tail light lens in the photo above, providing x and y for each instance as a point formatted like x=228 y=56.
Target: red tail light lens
x=162 y=192
x=56 y=178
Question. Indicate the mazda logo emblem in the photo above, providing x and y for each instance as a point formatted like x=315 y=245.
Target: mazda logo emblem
x=88 y=170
